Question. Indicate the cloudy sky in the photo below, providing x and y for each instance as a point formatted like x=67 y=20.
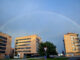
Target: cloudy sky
x=49 y=19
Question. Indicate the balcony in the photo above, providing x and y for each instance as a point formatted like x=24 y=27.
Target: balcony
x=76 y=38
x=3 y=48
x=2 y=44
x=2 y=51
x=78 y=48
x=3 y=38
x=77 y=41
x=77 y=44
x=3 y=41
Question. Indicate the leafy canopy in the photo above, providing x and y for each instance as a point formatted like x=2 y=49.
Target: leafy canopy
x=51 y=49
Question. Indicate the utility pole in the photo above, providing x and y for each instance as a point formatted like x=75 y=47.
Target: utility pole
x=45 y=49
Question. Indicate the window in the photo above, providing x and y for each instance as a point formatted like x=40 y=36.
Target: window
x=1 y=37
x=23 y=39
x=24 y=45
x=28 y=47
x=24 y=48
x=72 y=46
x=37 y=39
x=74 y=49
x=25 y=51
x=77 y=41
x=23 y=42
x=3 y=48
x=2 y=51
x=73 y=43
x=72 y=38
x=3 y=41
x=16 y=42
x=1 y=44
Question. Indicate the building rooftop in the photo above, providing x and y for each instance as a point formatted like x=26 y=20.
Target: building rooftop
x=71 y=33
x=28 y=36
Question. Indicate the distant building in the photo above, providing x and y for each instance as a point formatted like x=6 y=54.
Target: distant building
x=27 y=45
x=72 y=44
x=12 y=53
x=5 y=45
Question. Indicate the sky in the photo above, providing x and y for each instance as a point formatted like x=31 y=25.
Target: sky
x=49 y=19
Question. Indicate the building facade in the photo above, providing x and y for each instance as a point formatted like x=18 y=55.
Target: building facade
x=27 y=45
x=5 y=45
x=72 y=44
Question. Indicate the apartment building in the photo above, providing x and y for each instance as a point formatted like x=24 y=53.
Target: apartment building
x=72 y=44
x=5 y=45
x=27 y=45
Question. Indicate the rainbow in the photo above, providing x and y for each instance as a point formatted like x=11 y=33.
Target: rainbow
x=45 y=12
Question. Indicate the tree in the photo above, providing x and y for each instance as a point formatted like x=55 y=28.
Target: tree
x=51 y=49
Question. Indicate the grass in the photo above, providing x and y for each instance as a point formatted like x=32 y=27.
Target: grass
x=51 y=59
x=61 y=58
x=58 y=59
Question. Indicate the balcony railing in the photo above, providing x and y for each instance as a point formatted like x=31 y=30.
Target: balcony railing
x=78 y=44
x=76 y=41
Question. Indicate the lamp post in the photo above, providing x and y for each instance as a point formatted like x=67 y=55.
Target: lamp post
x=45 y=49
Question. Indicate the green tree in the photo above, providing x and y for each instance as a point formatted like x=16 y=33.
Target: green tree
x=51 y=49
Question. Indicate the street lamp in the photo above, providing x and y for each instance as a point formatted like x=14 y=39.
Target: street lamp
x=45 y=49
